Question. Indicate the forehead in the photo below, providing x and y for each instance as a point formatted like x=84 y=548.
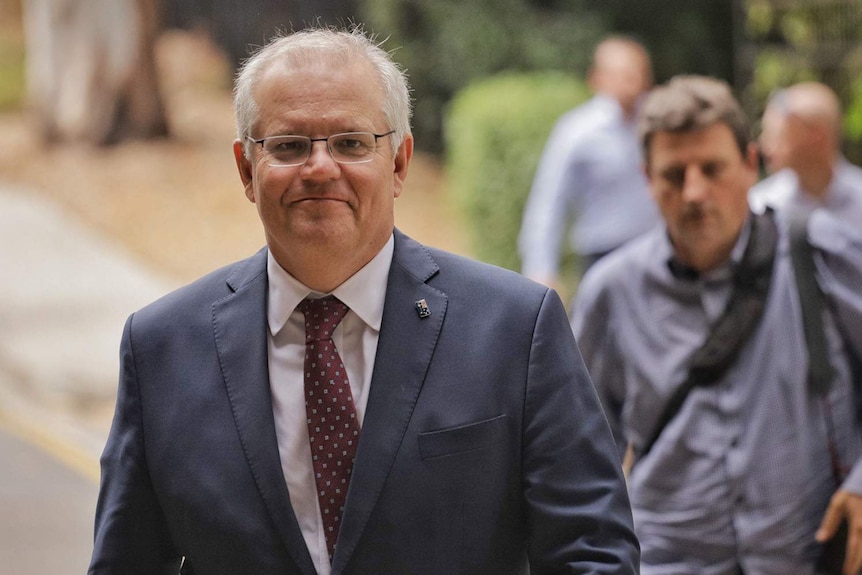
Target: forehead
x=773 y=118
x=319 y=91
x=620 y=55
x=713 y=142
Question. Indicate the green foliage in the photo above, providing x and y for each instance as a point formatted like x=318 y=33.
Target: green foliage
x=446 y=44
x=798 y=40
x=495 y=130
x=853 y=113
x=11 y=69
x=683 y=36
x=759 y=18
x=775 y=68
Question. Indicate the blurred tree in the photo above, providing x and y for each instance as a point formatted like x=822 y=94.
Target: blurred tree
x=90 y=69
x=446 y=44
x=683 y=36
x=790 y=41
x=11 y=55
x=239 y=26
x=496 y=130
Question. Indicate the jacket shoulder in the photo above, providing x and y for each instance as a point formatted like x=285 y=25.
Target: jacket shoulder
x=475 y=274
x=203 y=292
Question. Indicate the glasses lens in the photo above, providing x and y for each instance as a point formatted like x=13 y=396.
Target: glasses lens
x=287 y=150
x=352 y=147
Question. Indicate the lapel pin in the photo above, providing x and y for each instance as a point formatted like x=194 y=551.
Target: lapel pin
x=422 y=309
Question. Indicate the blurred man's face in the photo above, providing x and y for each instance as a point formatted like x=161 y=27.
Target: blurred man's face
x=700 y=181
x=773 y=144
x=801 y=127
x=802 y=143
x=623 y=73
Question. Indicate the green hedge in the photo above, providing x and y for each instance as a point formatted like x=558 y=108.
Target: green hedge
x=12 y=82
x=495 y=130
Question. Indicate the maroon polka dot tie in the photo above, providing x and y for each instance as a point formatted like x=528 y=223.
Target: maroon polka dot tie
x=333 y=429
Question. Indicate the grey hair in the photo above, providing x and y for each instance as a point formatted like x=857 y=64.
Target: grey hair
x=305 y=46
x=689 y=103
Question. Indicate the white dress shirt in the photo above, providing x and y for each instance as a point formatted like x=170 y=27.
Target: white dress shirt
x=590 y=171
x=843 y=196
x=356 y=340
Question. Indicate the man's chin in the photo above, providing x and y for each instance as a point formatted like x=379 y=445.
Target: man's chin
x=322 y=230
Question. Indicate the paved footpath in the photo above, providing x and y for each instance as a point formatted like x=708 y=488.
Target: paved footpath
x=66 y=293
x=46 y=521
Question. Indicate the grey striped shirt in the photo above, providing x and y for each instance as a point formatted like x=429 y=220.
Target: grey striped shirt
x=741 y=476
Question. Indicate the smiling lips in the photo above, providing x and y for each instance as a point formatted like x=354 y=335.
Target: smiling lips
x=317 y=198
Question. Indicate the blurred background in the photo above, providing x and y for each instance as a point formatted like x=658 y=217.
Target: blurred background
x=118 y=183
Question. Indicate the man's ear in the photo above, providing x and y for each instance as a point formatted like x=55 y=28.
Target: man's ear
x=752 y=164
x=645 y=170
x=752 y=159
x=243 y=164
x=403 y=155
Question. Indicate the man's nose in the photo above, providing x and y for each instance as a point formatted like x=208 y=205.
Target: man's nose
x=696 y=185
x=320 y=163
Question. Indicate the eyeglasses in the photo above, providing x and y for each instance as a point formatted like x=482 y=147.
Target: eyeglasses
x=347 y=148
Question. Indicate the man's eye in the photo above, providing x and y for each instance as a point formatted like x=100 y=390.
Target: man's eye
x=286 y=146
x=712 y=171
x=675 y=176
x=350 y=144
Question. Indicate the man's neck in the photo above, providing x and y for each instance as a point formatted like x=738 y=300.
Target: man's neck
x=320 y=271
x=704 y=260
x=704 y=263
x=323 y=268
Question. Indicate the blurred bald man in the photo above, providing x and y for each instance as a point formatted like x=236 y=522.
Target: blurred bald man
x=590 y=171
x=801 y=143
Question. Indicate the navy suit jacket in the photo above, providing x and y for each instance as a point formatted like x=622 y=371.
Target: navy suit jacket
x=483 y=447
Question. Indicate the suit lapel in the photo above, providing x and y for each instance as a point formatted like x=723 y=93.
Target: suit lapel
x=239 y=324
x=404 y=350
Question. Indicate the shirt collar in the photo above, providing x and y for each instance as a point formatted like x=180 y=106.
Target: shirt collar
x=608 y=105
x=835 y=189
x=611 y=107
x=364 y=292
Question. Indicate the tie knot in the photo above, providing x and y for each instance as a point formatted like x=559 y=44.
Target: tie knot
x=321 y=316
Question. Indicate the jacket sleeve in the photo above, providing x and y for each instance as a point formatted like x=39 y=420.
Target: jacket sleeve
x=579 y=517
x=130 y=532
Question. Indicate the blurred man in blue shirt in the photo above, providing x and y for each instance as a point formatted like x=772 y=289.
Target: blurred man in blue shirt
x=590 y=171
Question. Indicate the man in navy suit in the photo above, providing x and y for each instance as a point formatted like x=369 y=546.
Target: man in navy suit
x=481 y=447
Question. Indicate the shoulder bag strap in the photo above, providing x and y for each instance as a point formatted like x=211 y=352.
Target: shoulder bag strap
x=812 y=302
x=732 y=329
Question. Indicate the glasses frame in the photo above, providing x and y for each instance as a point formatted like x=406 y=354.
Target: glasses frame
x=311 y=141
